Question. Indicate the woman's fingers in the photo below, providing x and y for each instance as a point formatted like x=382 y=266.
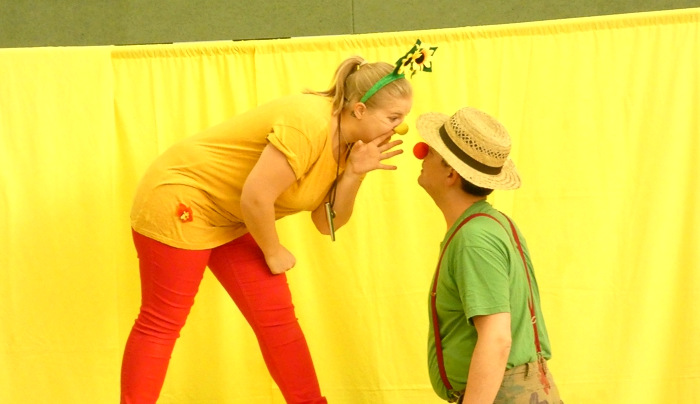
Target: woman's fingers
x=390 y=145
x=390 y=154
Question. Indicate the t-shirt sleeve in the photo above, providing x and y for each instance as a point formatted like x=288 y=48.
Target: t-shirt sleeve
x=481 y=274
x=300 y=152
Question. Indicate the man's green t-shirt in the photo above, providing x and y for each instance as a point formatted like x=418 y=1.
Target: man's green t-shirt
x=482 y=273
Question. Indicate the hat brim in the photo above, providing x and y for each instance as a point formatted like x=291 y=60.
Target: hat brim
x=428 y=126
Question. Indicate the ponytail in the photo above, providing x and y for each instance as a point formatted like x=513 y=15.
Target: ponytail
x=354 y=77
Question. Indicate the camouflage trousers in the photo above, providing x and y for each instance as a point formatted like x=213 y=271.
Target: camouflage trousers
x=521 y=385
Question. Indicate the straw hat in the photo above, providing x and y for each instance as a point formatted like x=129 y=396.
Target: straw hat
x=474 y=143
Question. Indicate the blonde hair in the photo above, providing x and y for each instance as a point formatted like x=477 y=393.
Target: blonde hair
x=354 y=77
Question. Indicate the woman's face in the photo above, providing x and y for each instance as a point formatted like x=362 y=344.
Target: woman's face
x=382 y=119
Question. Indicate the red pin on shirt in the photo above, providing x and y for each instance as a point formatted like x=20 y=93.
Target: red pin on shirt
x=420 y=150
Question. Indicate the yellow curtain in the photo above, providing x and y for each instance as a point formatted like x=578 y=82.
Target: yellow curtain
x=604 y=114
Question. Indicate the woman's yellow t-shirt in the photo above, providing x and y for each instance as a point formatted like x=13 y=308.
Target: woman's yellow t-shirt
x=206 y=172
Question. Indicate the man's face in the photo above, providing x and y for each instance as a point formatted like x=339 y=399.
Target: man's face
x=433 y=173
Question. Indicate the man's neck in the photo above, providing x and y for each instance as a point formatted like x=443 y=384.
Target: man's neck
x=454 y=206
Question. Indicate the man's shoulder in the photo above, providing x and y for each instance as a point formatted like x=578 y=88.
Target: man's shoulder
x=483 y=228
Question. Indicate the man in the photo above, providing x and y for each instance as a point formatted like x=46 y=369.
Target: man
x=488 y=342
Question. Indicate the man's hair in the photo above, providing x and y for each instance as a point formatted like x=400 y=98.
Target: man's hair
x=470 y=188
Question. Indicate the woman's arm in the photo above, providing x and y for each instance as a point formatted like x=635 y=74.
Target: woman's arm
x=364 y=157
x=270 y=176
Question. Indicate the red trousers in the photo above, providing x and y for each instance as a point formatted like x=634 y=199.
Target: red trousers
x=170 y=278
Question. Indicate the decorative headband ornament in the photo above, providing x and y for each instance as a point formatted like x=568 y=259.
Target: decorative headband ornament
x=418 y=58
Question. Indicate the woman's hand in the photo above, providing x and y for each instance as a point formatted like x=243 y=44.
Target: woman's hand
x=366 y=157
x=280 y=260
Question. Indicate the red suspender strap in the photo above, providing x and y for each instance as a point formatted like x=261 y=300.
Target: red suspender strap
x=433 y=304
x=531 y=305
x=533 y=315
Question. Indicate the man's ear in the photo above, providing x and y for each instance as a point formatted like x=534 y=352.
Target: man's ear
x=359 y=109
x=453 y=177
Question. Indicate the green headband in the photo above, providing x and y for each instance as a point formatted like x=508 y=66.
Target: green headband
x=415 y=60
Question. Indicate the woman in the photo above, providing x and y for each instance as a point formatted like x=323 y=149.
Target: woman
x=212 y=200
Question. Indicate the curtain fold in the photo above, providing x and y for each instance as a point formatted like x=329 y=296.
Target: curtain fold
x=604 y=113
x=58 y=304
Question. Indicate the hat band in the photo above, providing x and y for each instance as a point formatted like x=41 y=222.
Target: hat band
x=471 y=162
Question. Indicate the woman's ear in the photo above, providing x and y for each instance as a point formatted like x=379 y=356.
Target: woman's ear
x=358 y=110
